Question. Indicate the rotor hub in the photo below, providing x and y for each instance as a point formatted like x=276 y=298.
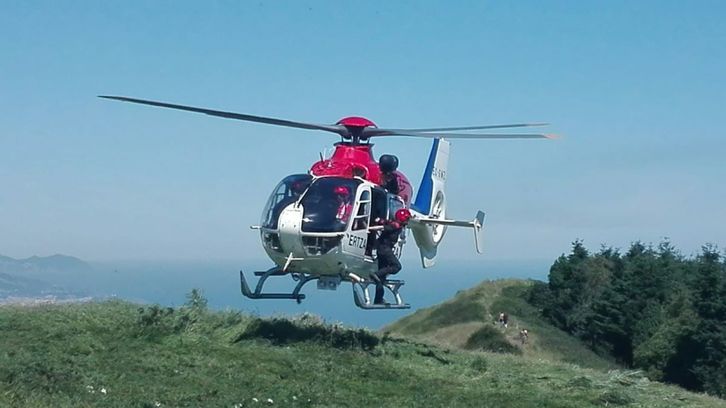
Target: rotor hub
x=355 y=122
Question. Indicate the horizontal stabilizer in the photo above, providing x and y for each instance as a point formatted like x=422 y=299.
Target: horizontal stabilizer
x=477 y=223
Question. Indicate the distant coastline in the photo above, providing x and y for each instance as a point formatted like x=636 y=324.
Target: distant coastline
x=42 y=301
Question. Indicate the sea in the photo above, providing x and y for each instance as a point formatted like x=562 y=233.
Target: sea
x=168 y=284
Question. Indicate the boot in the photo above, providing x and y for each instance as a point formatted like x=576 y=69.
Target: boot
x=378 y=299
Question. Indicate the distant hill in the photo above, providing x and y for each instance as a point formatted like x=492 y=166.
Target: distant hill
x=56 y=275
x=44 y=266
x=468 y=321
x=117 y=354
x=19 y=286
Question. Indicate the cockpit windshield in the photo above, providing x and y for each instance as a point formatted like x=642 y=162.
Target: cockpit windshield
x=287 y=192
x=328 y=204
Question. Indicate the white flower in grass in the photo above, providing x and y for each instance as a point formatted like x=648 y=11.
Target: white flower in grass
x=255 y=399
x=103 y=390
x=270 y=401
x=157 y=404
x=294 y=398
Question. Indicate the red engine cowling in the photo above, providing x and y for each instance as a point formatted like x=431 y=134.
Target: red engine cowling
x=350 y=161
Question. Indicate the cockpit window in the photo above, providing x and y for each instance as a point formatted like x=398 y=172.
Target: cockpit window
x=328 y=204
x=380 y=204
x=287 y=192
x=364 y=207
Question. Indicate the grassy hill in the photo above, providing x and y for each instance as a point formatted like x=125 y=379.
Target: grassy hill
x=468 y=322
x=116 y=354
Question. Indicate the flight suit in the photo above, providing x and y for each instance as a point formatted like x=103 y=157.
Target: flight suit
x=388 y=264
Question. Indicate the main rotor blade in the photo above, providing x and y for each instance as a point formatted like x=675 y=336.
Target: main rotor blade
x=482 y=127
x=468 y=135
x=238 y=116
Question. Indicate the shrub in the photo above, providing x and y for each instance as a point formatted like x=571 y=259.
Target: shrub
x=284 y=331
x=490 y=339
x=155 y=321
x=616 y=397
x=580 y=382
x=479 y=364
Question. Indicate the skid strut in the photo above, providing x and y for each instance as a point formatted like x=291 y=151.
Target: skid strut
x=257 y=294
x=362 y=298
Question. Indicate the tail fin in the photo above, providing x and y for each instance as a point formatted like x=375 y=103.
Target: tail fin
x=431 y=203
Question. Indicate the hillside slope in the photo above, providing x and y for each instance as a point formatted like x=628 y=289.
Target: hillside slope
x=116 y=354
x=468 y=322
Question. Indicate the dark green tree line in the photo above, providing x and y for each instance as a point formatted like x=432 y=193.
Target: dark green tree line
x=651 y=308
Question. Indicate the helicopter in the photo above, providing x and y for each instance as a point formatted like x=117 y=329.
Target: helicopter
x=321 y=225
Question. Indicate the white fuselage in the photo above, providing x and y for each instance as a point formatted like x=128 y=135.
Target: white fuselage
x=304 y=242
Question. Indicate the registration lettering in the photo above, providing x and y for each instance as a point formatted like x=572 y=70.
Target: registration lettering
x=438 y=173
x=356 y=241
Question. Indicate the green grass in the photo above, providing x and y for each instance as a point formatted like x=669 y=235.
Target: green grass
x=68 y=355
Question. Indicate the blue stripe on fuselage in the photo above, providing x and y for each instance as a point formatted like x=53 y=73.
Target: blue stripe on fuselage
x=423 y=198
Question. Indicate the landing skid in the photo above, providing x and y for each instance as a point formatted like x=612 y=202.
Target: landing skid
x=257 y=294
x=361 y=296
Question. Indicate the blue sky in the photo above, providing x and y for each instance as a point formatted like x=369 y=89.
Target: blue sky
x=637 y=89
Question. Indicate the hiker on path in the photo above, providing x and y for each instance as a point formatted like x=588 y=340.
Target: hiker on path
x=523 y=336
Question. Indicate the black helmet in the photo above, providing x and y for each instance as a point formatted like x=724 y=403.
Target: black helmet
x=388 y=163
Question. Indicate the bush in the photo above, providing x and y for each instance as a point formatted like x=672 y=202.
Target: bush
x=480 y=364
x=196 y=301
x=284 y=331
x=490 y=339
x=155 y=321
x=616 y=397
x=580 y=382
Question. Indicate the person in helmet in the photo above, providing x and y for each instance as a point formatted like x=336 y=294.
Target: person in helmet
x=388 y=264
x=345 y=207
x=388 y=164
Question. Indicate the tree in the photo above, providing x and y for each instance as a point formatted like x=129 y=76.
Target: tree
x=576 y=282
x=649 y=308
x=563 y=285
x=709 y=346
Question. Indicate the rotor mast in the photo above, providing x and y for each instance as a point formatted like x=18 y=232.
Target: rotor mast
x=355 y=129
